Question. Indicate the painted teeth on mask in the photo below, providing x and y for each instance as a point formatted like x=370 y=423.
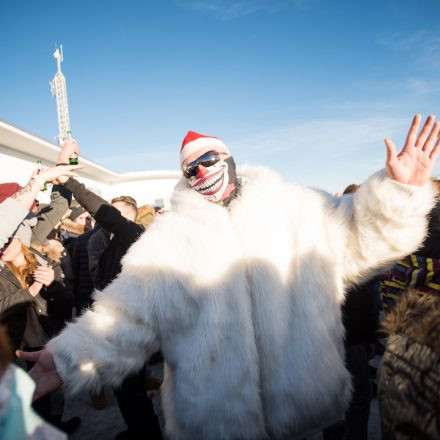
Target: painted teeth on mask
x=212 y=188
x=209 y=185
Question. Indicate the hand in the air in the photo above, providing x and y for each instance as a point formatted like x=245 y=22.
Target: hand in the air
x=55 y=174
x=414 y=164
x=69 y=149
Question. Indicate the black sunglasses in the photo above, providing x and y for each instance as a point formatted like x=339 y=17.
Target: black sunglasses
x=207 y=160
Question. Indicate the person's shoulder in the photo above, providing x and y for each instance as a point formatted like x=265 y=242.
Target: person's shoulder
x=256 y=173
x=3 y=270
x=7 y=278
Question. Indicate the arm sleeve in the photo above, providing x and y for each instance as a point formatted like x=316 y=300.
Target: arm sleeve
x=106 y=215
x=386 y=220
x=50 y=216
x=90 y=201
x=111 y=219
x=12 y=214
x=109 y=342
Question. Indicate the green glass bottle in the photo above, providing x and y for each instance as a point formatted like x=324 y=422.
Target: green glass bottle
x=73 y=160
x=39 y=167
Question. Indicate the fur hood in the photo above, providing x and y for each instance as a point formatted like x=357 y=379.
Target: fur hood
x=409 y=375
x=71 y=226
x=416 y=316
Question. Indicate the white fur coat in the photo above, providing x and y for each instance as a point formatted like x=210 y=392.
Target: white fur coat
x=245 y=304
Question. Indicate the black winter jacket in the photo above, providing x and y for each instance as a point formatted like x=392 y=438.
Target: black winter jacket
x=360 y=314
x=83 y=285
x=125 y=232
x=431 y=246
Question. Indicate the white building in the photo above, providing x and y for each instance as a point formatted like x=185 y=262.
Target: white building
x=20 y=150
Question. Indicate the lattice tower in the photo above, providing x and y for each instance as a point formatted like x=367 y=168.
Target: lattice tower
x=59 y=90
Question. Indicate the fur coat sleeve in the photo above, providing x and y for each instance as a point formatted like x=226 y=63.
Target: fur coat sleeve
x=386 y=220
x=110 y=341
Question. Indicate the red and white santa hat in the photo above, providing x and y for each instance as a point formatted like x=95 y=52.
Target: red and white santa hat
x=196 y=142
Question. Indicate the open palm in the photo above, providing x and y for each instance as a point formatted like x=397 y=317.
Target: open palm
x=414 y=164
x=43 y=372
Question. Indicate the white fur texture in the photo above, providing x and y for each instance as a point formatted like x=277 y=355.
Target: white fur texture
x=245 y=304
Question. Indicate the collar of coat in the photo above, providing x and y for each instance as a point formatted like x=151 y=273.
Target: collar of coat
x=254 y=179
x=417 y=316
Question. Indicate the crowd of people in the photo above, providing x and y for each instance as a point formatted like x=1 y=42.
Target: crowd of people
x=265 y=324
x=51 y=264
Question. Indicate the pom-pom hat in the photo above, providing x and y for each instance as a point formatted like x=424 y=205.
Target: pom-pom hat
x=196 y=142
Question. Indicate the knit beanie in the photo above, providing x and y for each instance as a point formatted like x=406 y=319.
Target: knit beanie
x=76 y=212
x=196 y=142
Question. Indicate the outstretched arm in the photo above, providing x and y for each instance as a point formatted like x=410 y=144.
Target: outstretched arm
x=387 y=217
x=105 y=344
x=27 y=194
x=15 y=208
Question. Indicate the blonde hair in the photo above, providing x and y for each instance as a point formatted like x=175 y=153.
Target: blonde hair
x=25 y=270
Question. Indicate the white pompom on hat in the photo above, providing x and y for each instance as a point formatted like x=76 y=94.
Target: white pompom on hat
x=194 y=142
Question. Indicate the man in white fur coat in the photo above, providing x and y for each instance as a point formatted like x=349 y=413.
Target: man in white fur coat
x=246 y=306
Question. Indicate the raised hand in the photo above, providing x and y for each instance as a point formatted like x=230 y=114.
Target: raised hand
x=43 y=372
x=414 y=164
x=69 y=148
x=54 y=173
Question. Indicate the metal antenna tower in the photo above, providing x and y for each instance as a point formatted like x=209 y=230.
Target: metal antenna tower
x=59 y=90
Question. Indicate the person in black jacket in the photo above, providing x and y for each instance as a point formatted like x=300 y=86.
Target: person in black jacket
x=124 y=235
x=82 y=283
x=430 y=247
x=360 y=316
x=96 y=246
x=118 y=219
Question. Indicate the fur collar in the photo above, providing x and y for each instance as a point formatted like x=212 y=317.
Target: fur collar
x=417 y=316
x=258 y=180
x=71 y=226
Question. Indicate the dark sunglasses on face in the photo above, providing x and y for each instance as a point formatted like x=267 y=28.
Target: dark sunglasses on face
x=207 y=160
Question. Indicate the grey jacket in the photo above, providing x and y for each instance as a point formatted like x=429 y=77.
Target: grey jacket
x=12 y=213
x=49 y=216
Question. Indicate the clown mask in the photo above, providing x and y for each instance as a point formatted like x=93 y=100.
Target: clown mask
x=212 y=177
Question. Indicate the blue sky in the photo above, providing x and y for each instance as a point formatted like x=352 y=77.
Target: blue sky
x=308 y=87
